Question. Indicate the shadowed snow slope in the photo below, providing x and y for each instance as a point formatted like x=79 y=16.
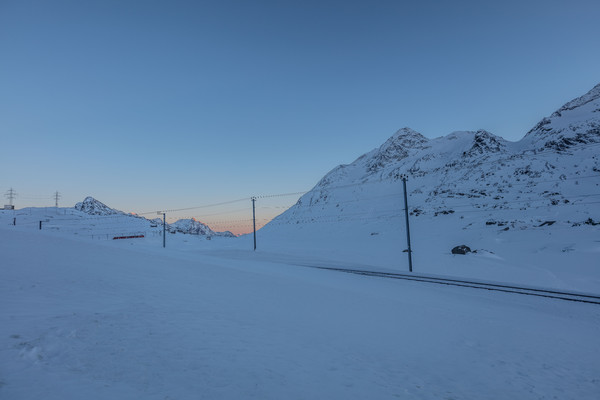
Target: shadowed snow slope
x=115 y=320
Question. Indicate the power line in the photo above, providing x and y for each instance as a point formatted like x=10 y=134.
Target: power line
x=204 y=216
x=99 y=219
x=11 y=194
x=327 y=188
x=395 y=213
x=280 y=195
x=36 y=197
x=496 y=207
x=532 y=153
x=531 y=200
x=197 y=207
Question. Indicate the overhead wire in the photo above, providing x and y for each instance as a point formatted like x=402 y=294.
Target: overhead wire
x=322 y=187
x=196 y=207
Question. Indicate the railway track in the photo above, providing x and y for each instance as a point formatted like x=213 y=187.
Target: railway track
x=497 y=287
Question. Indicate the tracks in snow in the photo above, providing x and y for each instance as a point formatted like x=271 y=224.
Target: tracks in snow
x=497 y=287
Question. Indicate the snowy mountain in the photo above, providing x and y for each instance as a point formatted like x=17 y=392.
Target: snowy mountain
x=94 y=207
x=556 y=164
x=575 y=123
x=530 y=209
x=193 y=227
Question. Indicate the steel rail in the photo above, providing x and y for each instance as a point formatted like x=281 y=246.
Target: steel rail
x=547 y=293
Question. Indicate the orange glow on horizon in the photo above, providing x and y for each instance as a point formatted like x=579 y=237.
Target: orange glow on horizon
x=236 y=230
x=236 y=222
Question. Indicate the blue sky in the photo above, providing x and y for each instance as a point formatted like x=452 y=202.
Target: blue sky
x=168 y=104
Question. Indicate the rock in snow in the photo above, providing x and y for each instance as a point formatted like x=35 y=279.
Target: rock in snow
x=462 y=249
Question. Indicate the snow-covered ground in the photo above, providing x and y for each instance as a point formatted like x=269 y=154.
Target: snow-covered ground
x=85 y=316
x=105 y=319
x=560 y=256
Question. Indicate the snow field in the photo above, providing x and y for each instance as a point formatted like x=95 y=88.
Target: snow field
x=108 y=319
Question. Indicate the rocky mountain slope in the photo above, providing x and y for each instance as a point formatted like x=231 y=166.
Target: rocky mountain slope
x=556 y=165
x=94 y=207
x=574 y=124
x=193 y=227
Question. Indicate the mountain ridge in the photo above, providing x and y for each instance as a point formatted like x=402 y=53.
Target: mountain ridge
x=192 y=226
x=577 y=122
x=94 y=207
x=469 y=165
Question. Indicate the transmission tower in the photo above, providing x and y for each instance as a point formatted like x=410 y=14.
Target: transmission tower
x=56 y=197
x=10 y=195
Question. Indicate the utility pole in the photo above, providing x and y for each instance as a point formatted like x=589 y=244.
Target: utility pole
x=56 y=197
x=404 y=177
x=10 y=195
x=164 y=214
x=254 y=219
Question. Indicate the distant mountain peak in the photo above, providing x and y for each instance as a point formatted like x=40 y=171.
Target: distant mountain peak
x=396 y=148
x=407 y=138
x=94 y=207
x=194 y=227
x=486 y=142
